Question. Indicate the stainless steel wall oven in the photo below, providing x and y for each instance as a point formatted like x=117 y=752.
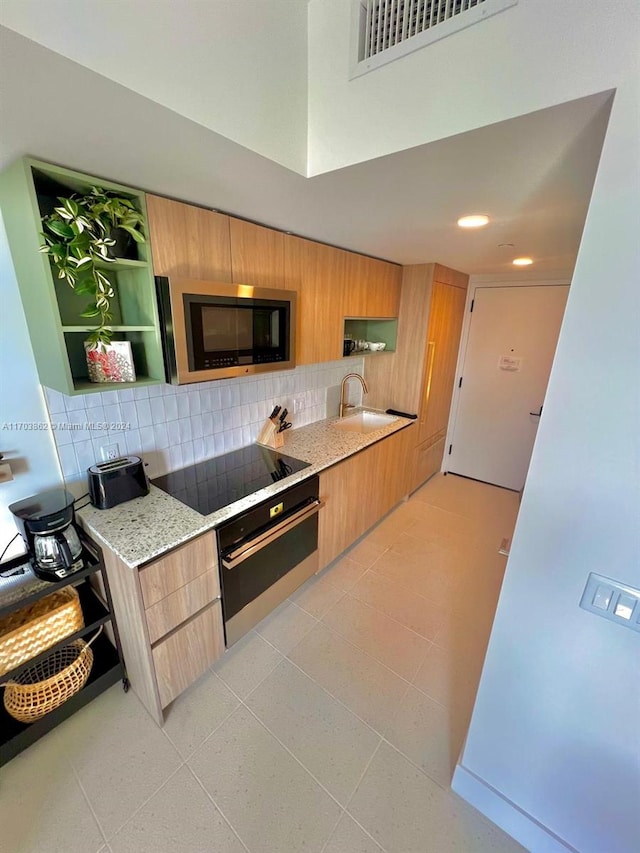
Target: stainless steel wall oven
x=266 y=553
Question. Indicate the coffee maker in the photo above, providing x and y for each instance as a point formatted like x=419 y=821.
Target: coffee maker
x=46 y=522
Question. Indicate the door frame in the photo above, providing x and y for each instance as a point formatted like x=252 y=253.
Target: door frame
x=475 y=282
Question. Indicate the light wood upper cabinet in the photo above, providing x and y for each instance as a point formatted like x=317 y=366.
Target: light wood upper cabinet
x=257 y=254
x=188 y=241
x=317 y=272
x=372 y=287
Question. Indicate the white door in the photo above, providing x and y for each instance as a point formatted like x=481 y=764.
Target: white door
x=510 y=348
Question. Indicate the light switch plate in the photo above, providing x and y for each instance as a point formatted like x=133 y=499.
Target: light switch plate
x=613 y=600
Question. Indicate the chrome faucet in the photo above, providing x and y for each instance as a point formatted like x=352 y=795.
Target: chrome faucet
x=343 y=403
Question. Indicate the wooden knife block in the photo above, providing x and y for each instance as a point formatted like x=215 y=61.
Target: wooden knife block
x=269 y=435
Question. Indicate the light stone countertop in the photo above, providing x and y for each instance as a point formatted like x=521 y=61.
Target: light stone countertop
x=142 y=529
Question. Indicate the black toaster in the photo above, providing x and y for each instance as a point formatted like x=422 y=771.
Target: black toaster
x=116 y=481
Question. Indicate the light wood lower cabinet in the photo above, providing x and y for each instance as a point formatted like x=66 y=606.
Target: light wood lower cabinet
x=185 y=654
x=169 y=616
x=360 y=490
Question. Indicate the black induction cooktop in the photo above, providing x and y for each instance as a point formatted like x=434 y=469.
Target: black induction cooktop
x=218 y=482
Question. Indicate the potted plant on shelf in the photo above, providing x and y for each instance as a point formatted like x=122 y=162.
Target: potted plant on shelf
x=80 y=237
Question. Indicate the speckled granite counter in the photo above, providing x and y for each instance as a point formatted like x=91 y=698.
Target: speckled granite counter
x=144 y=528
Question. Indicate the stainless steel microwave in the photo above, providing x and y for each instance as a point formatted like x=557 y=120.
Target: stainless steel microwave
x=213 y=330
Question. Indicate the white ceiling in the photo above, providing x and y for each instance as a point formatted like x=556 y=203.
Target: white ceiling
x=533 y=175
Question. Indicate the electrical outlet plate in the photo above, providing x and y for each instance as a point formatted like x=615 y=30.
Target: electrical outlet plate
x=109 y=451
x=298 y=405
x=612 y=600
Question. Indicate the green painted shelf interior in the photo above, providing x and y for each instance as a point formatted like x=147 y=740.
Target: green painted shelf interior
x=372 y=329
x=29 y=190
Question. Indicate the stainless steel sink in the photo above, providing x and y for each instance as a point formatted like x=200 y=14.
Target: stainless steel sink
x=364 y=422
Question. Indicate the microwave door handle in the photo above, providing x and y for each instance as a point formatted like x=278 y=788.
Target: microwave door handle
x=253 y=546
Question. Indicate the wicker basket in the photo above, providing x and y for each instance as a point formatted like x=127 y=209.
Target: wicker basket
x=33 y=629
x=45 y=686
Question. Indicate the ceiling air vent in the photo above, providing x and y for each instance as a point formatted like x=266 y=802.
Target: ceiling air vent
x=389 y=29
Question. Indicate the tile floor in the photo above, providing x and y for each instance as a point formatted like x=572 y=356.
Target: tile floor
x=334 y=727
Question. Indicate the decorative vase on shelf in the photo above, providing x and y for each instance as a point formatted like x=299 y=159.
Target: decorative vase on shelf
x=110 y=362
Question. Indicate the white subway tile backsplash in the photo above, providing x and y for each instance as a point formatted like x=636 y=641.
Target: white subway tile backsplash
x=187 y=453
x=143 y=408
x=68 y=460
x=133 y=442
x=161 y=436
x=171 y=407
x=174 y=426
x=157 y=410
x=185 y=430
x=112 y=414
x=129 y=413
x=173 y=433
x=147 y=439
x=197 y=428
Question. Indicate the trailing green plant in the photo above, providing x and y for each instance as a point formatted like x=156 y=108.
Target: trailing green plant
x=77 y=238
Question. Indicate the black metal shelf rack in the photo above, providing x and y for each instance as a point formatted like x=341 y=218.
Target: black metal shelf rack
x=24 y=588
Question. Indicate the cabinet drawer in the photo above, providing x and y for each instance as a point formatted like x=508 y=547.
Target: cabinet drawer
x=164 y=576
x=168 y=613
x=183 y=656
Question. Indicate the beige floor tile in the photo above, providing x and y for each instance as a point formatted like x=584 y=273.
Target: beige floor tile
x=406 y=812
x=42 y=807
x=348 y=837
x=413 y=611
x=427 y=575
x=247 y=663
x=397 y=804
x=344 y=574
x=286 y=626
x=332 y=743
x=197 y=712
x=317 y=595
x=366 y=552
x=179 y=817
x=385 y=639
x=387 y=531
x=121 y=756
x=428 y=734
x=450 y=681
x=365 y=686
x=269 y=799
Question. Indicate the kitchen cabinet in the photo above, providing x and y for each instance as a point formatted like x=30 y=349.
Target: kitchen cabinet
x=107 y=668
x=446 y=315
x=28 y=190
x=317 y=272
x=188 y=241
x=170 y=619
x=257 y=254
x=372 y=287
x=419 y=377
x=359 y=491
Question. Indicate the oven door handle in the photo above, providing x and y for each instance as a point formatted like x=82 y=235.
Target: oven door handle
x=248 y=549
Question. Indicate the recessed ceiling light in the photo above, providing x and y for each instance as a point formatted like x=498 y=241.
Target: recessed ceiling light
x=476 y=220
x=506 y=245
x=522 y=262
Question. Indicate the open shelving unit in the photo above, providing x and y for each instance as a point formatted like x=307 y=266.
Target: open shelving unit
x=28 y=191
x=108 y=666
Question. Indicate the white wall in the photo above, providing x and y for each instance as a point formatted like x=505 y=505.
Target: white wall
x=531 y=56
x=555 y=726
x=238 y=67
x=31 y=453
